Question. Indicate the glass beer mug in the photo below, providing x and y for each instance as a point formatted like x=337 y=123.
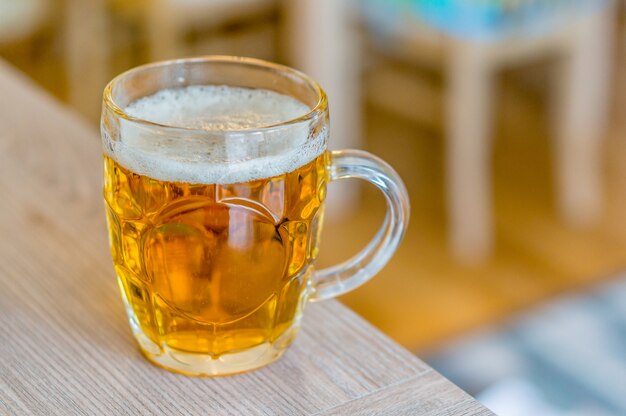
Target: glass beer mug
x=215 y=174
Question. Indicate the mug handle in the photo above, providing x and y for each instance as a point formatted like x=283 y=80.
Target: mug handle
x=339 y=279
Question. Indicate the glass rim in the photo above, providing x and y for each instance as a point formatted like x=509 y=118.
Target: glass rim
x=317 y=110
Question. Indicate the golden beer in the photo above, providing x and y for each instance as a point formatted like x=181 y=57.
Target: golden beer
x=215 y=174
x=214 y=269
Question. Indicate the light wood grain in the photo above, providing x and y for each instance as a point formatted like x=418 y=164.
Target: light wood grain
x=66 y=347
x=423 y=395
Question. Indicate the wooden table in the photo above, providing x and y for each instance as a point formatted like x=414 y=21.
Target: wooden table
x=65 y=345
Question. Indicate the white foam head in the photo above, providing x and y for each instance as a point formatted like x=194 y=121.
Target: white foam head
x=227 y=149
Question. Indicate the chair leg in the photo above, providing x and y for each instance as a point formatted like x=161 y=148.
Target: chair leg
x=162 y=30
x=583 y=107
x=331 y=56
x=468 y=122
x=87 y=52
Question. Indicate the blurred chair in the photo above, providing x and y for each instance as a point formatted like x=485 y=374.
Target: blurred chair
x=473 y=40
x=163 y=26
x=167 y=21
x=27 y=38
x=21 y=18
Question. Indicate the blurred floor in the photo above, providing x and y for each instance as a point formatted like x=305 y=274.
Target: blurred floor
x=565 y=358
x=424 y=298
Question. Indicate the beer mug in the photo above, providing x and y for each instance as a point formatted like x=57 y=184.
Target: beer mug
x=215 y=174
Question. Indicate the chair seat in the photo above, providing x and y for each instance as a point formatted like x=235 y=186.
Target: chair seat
x=194 y=13
x=204 y=13
x=490 y=21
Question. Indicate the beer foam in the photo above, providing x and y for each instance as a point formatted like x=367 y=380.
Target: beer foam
x=228 y=152
x=217 y=107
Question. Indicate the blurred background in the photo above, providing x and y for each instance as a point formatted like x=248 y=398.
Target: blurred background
x=505 y=118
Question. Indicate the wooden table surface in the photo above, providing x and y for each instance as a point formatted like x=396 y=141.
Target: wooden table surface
x=65 y=345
